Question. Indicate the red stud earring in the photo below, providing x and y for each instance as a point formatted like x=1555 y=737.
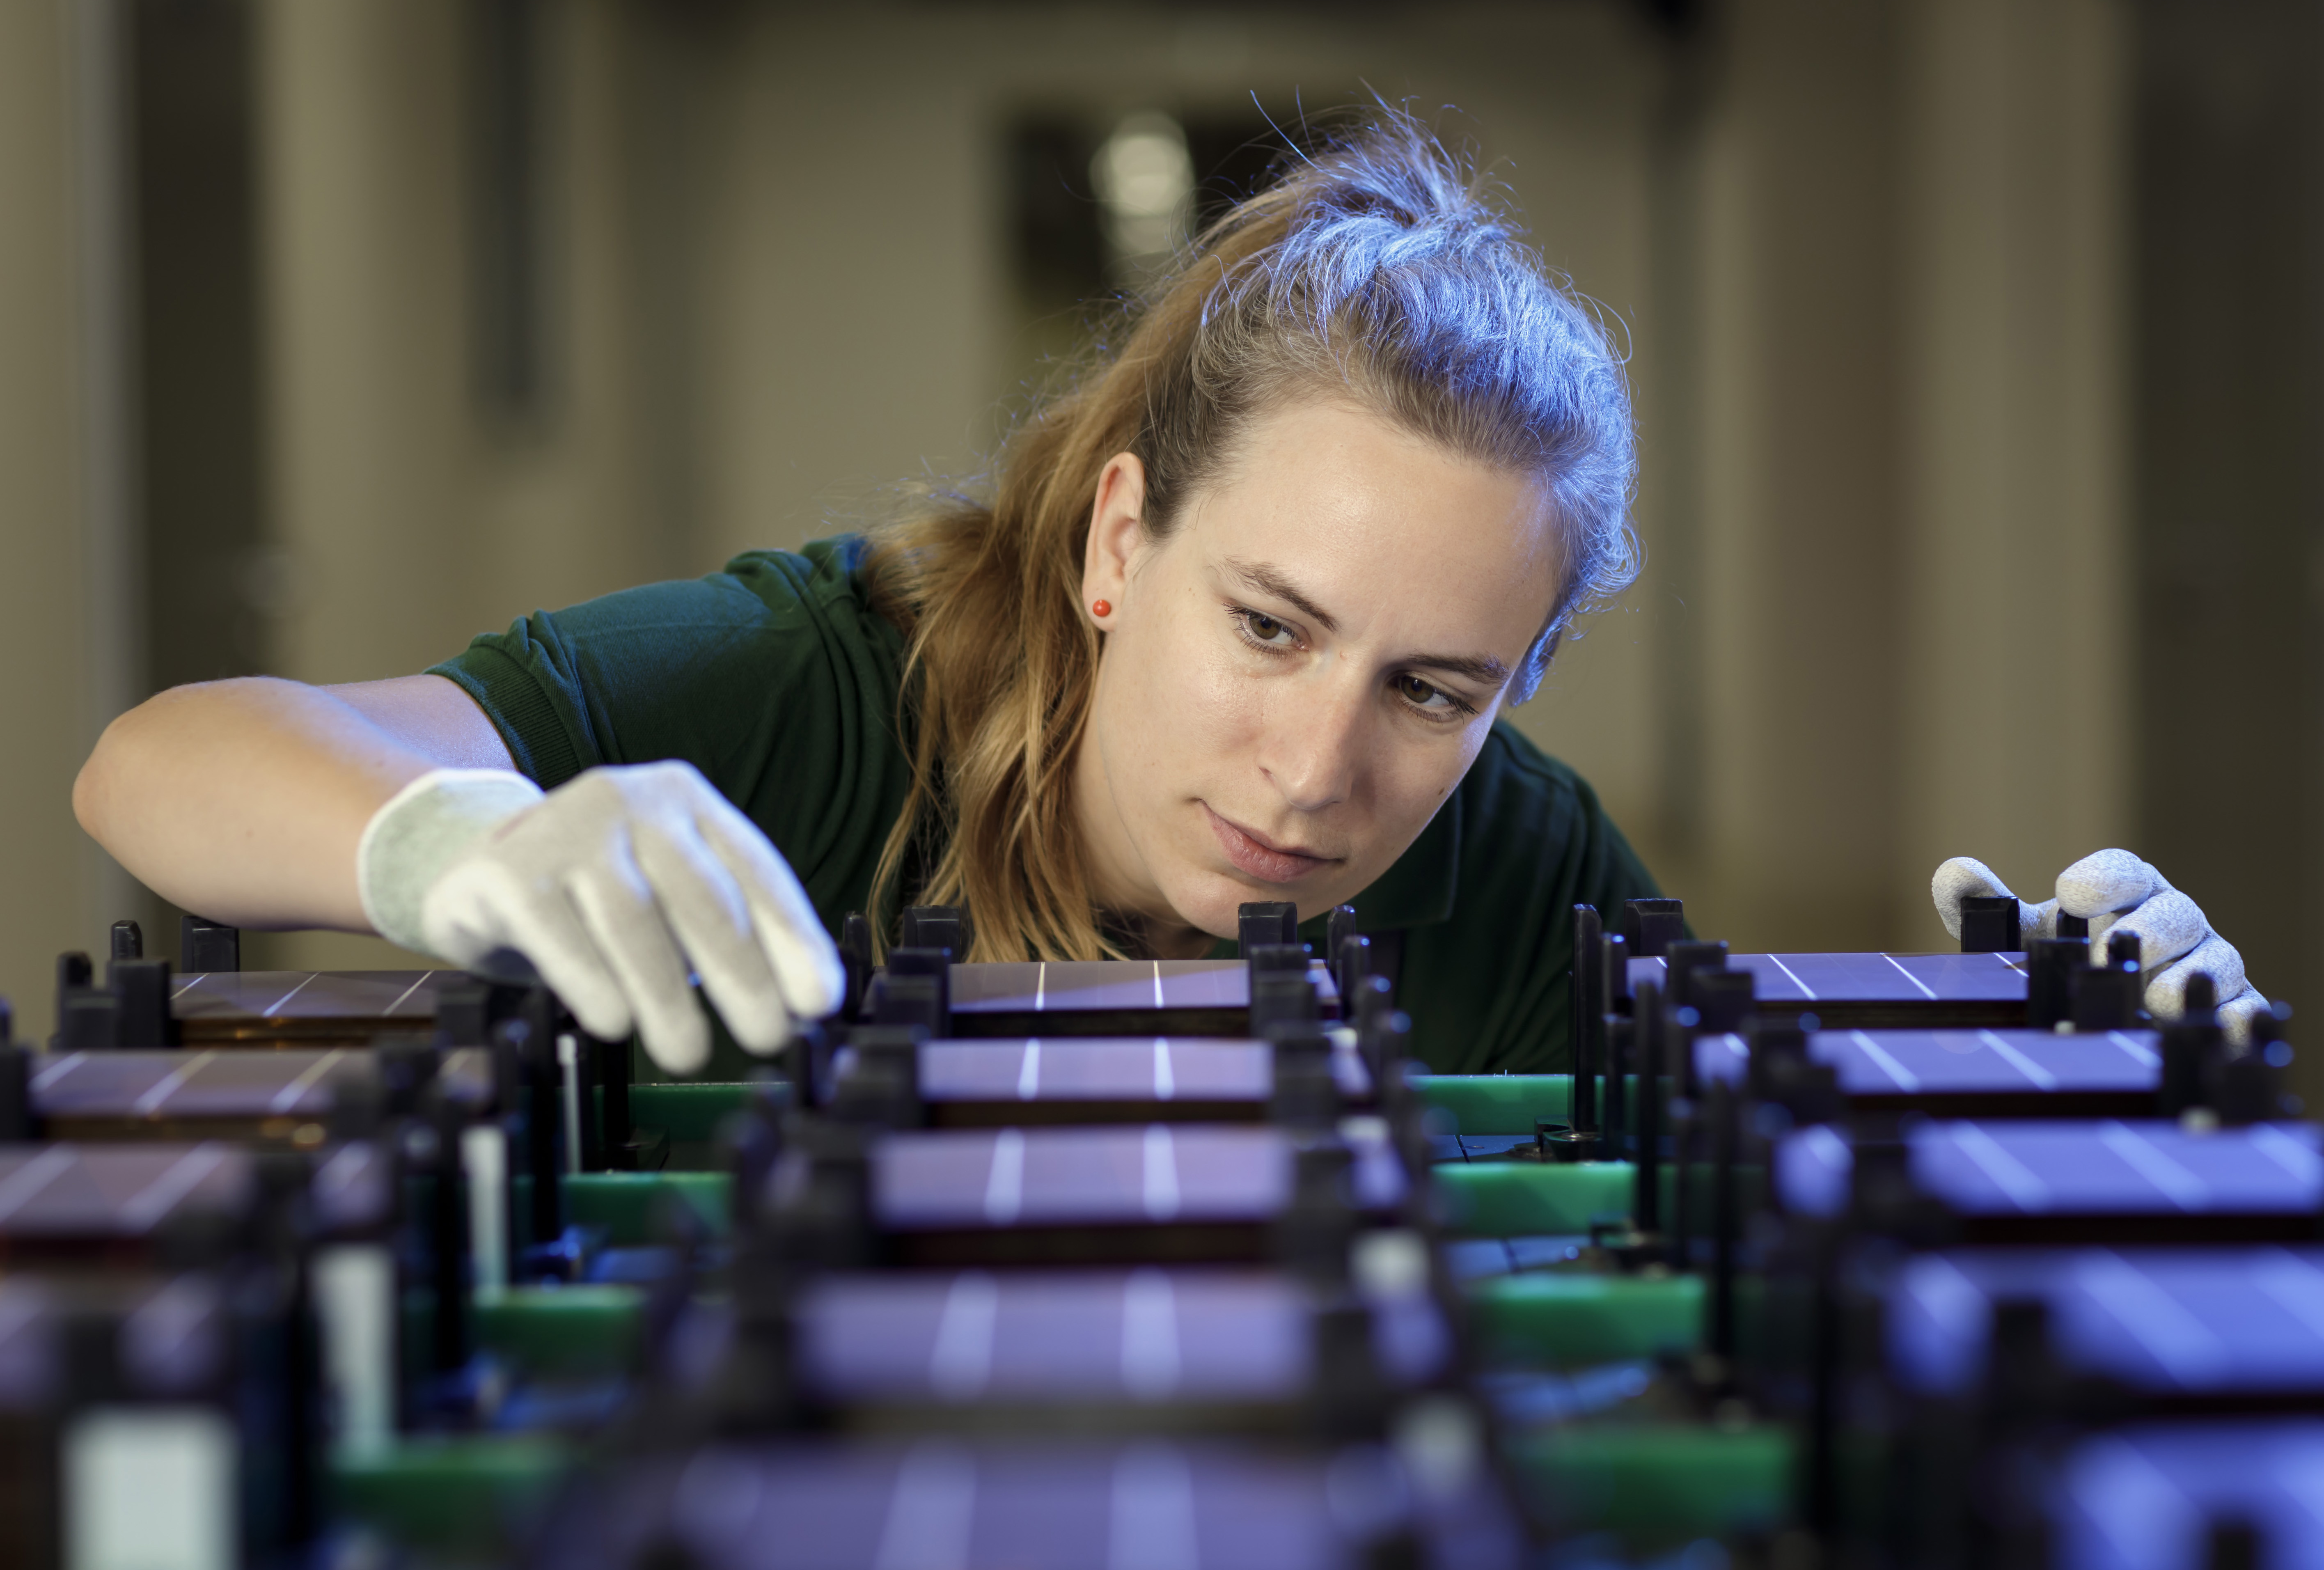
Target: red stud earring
x=1101 y=608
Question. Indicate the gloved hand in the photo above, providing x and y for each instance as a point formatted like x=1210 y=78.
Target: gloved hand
x=2118 y=893
x=610 y=884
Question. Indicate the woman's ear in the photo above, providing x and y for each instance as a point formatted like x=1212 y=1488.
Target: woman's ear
x=1115 y=534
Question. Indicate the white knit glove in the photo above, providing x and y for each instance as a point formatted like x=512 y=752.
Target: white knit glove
x=2118 y=892
x=610 y=885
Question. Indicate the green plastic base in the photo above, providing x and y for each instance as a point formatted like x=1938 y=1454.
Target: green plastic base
x=564 y=1332
x=688 y=1113
x=468 y=1495
x=622 y=1203
x=1560 y=1320
x=1519 y=1199
x=1497 y=1104
x=1659 y=1482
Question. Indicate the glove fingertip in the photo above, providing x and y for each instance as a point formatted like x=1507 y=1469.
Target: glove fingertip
x=2237 y=1013
x=2108 y=881
x=1959 y=878
x=771 y=1044
x=812 y=980
x=681 y=1052
x=760 y=1025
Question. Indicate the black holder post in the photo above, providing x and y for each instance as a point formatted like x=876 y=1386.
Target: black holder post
x=625 y=1149
x=208 y=946
x=18 y=1119
x=807 y=1061
x=1305 y=1093
x=2050 y=967
x=2191 y=1044
x=1585 y=1019
x=589 y=1156
x=141 y=988
x=2233 y=1543
x=1685 y=1127
x=1647 y=1021
x=1262 y=922
x=1616 y=1030
x=1652 y=926
x=881 y=1087
x=916 y=990
x=1575 y=1138
x=1281 y=993
x=935 y=927
x=88 y=1017
x=1349 y=955
x=2106 y=997
x=1352 y=967
x=1312 y=1232
x=855 y=960
x=447 y=1235
x=1725 y=1222
x=1988 y=924
x=544 y=1127
x=1685 y=958
x=2248 y=1088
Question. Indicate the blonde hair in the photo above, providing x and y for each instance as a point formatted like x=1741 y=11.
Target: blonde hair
x=1377 y=270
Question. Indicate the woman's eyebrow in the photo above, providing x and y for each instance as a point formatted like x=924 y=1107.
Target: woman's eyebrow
x=1482 y=667
x=1266 y=580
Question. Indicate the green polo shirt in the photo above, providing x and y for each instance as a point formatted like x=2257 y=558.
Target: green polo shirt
x=778 y=681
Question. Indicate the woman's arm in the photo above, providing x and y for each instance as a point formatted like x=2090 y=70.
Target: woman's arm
x=244 y=800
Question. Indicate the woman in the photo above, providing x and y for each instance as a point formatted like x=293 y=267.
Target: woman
x=1237 y=622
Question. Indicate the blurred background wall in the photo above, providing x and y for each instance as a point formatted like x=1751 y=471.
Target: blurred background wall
x=1976 y=344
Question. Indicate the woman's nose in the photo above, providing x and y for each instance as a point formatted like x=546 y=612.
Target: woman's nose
x=1314 y=747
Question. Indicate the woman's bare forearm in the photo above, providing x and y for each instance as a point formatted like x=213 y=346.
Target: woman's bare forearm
x=244 y=800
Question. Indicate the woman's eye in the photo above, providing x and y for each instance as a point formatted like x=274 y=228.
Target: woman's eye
x=1265 y=629
x=1421 y=695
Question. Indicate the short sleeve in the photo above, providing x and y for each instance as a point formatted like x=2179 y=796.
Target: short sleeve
x=774 y=676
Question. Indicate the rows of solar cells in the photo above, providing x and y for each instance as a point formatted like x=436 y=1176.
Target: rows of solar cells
x=1890 y=1260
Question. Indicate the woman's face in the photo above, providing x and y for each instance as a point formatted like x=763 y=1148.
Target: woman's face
x=1298 y=675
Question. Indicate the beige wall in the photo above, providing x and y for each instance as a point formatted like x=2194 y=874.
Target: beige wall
x=408 y=518
x=1912 y=603
x=2018 y=550
x=66 y=638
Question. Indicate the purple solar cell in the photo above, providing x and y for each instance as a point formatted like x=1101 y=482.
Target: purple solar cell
x=1861 y=978
x=1930 y=1063
x=2099 y=1167
x=292 y=994
x=1999 y=977
x=1813 y=1169
x=1096 y=1335
x=114 y=1191
x=2115 y=1166
x=2181 y=1320
x=294 y=1081
x=1071 y=986
x=1010 y=988
x=87 y=1083
x=979 y=1070
x=1108 y=1175
x=2145 y=1498
x=1096 y=1068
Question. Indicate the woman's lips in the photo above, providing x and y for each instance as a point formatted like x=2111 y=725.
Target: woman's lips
x=1254 y=856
